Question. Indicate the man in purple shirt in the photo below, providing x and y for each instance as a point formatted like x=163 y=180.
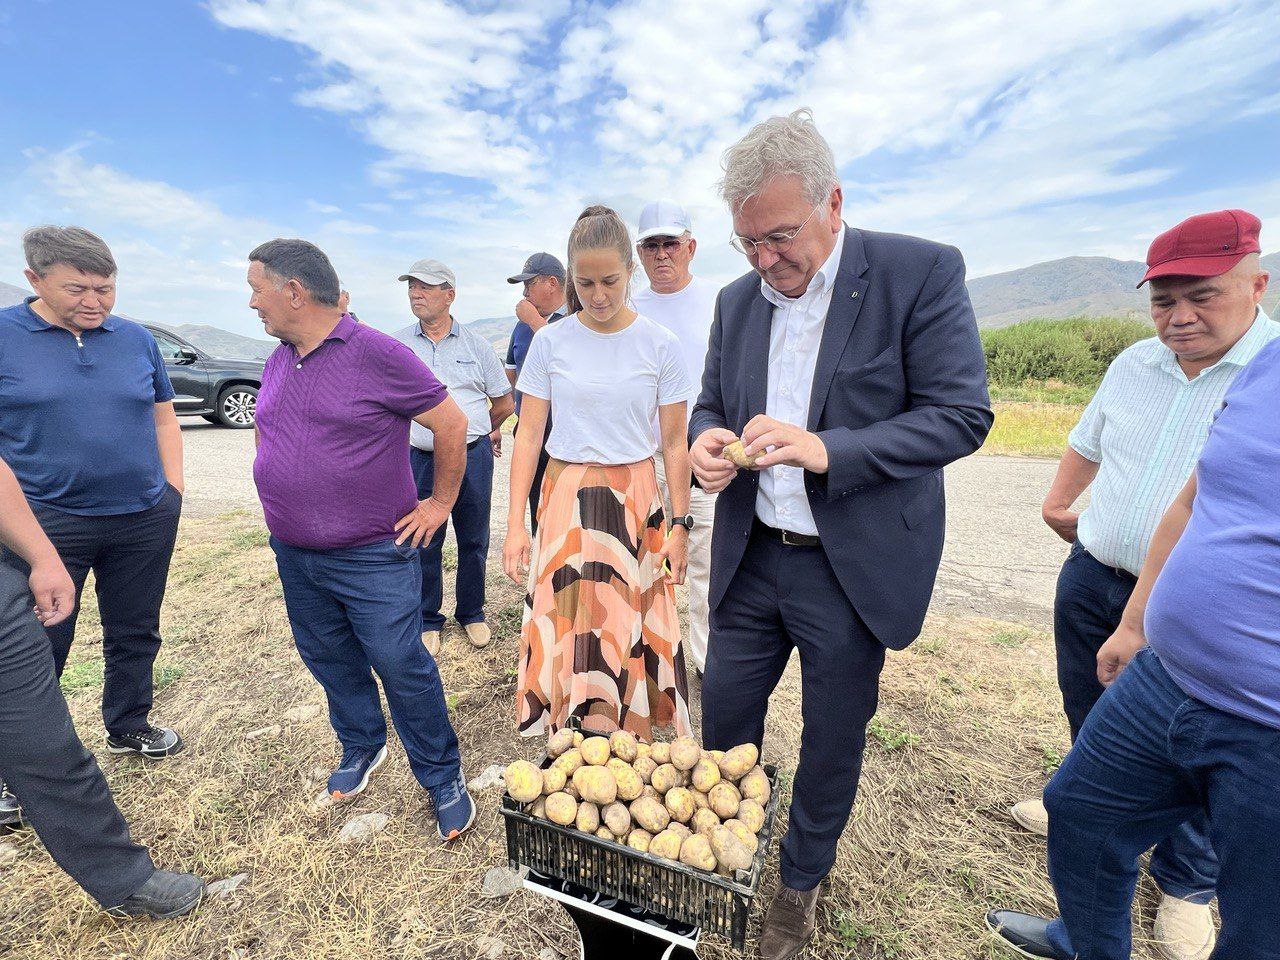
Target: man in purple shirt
x=1190 y=724
x=333 y=474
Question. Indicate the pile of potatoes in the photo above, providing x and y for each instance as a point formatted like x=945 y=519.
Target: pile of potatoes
x=703 y=808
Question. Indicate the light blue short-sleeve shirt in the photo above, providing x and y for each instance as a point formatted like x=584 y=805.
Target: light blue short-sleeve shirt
x=469 y=366
x=1146 y=427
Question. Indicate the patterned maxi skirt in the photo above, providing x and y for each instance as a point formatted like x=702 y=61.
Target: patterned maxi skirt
x=601 y=637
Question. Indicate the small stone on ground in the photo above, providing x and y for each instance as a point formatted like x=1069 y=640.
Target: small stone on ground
x=8 y=854
x=364 y=827
x=272 y=731
x=501 y=882
x=491 y=777
x=224 y=888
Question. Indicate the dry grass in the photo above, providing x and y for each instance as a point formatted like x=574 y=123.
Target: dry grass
x=969 y=723
x=1031 y=429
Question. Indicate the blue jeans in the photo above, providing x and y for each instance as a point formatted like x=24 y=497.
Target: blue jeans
x=470 y=526
x=1149 y=759
x=1090 y=600
x=355 y=612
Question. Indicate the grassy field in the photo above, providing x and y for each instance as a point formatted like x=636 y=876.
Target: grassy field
x=968 y=724
x=1034 y=418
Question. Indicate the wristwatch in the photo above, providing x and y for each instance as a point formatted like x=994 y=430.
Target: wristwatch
x=686 y=521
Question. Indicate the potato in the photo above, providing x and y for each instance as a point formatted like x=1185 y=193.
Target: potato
x=645 y=767
x=595 y=751
x=650 y=814
x=730 y=852
x=666 y=844
x=596 y=784
x=561 y=809
x=737 y=763
x=553 y=780
x=678 y=828
x=661 y=753
x=680 y=804
x=664 y=778
x=624 y=745
x=696 y=852
x=539 y=808
x=561 y=742
x=572 y=791
x=755 y=786
x=617 y=818
x=588 y=817
x=724 y=799
x=705 y=775
x=648 y=791
x=644 y=750
x=629 y=784
x=578 y=737
x=685 y=753
x=523 y=780
x=704 y=820
x=738 y=454
x=715 y=755
x=604 y=834
x=700 y=800
x=569 y=761
x=746 y=836
x=752 y=814
x=639 y=839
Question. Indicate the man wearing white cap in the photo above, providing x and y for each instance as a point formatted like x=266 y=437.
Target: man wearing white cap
x=685 y=305
x=465 y=363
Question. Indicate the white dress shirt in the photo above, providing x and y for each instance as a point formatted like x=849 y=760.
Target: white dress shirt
x=794 y=338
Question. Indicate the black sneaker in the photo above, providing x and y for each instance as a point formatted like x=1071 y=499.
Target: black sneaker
x=165 y=895
x=1022 y=934
x=10 y=808
x=154 y=743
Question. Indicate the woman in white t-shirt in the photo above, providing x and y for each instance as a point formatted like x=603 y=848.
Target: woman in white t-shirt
x=601 y=638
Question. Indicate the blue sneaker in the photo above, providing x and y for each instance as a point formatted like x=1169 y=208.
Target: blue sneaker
x=455 y=810
x=358 y=765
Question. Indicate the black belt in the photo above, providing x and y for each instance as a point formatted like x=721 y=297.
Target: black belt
x=788 y=537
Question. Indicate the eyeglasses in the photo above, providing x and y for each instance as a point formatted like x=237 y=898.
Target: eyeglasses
x=774 y=242
x=669 y=246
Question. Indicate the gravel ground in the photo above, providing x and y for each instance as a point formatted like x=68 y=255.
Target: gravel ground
x=1001 y=561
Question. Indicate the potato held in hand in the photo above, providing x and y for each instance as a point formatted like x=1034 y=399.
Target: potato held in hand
x=523 y=780
x=735 y=452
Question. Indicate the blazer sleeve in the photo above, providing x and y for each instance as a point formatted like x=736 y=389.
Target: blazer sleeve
x=708 y=411
x=948 y=410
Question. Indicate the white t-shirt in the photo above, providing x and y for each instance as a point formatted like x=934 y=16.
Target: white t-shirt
x=604 y=388
x=688 y=313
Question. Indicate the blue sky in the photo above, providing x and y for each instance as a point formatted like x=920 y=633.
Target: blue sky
x=388 y=130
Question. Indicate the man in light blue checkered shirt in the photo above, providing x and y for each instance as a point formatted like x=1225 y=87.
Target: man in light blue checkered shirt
x=1136 y=444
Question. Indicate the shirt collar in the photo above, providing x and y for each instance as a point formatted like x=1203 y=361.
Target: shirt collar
x=455 y=329
x=33 y=321
x=343 y=329
x=1241 y=352
x=821 y=282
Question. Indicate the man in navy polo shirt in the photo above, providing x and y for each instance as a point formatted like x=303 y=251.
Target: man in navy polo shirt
x=87 y=425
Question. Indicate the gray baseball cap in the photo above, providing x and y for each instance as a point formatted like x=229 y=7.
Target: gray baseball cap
x=539 y=265
x=431 y=271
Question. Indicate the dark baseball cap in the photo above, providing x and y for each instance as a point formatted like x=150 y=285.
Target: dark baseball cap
x=539 y=265
x=1206 y=245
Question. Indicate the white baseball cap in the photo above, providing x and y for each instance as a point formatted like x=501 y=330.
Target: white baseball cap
x=663 y=218
x=431 y=271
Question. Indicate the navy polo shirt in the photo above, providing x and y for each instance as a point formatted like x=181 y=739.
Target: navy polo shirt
x=77 y=419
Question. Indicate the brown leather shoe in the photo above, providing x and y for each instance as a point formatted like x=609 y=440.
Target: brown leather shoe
x=789 y=923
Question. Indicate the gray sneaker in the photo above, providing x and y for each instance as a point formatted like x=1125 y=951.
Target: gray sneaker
x=10 y=808
x=165 y=895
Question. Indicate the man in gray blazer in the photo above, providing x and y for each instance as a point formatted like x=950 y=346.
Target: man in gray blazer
x=849 y=364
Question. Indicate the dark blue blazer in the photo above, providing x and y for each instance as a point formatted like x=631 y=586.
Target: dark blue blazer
x=900 y=390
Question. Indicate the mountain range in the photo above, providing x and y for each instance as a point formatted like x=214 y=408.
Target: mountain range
x=1069 y=287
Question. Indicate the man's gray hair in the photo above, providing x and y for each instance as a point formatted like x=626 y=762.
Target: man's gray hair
x=303 y=261
x=779 y=147
x=48 y=245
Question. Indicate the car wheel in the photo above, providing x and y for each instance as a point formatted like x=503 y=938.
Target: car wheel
x=237 y=406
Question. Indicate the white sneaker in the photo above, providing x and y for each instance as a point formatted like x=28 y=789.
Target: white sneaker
x=1031 y=815
x=1184 y=930
x=431 y=640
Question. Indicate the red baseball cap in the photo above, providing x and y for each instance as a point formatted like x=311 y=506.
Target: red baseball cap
x=1206 y=245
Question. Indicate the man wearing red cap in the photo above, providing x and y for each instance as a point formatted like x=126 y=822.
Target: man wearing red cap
x=1137 y=443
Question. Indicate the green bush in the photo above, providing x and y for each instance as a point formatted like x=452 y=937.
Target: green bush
x=1075 y=351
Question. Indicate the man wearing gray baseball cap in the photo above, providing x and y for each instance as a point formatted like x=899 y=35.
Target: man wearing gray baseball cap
x=543 y=302
x=465 y=363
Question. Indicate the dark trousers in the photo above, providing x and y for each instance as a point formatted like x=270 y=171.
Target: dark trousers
x=63 y=793
x=129 y=555
x=471 y=528
x=357 y=612
x=1090 y=601
x=784 y=597
x=1151 y=758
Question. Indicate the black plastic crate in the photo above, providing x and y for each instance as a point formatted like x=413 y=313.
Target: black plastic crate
x=713 y=902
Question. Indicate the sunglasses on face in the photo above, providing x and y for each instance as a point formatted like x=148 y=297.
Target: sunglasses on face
x=668 y=245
